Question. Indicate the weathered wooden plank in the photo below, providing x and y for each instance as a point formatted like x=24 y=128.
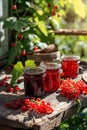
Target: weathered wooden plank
x=63 y=109
x=71 y=32
x=4 y=127
x=39 y=57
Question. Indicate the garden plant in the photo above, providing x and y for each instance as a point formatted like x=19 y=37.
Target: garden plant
x=32 y=26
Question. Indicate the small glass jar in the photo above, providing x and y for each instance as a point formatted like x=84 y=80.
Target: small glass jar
x=70 y=66
x=34 y=80
x=52 y=79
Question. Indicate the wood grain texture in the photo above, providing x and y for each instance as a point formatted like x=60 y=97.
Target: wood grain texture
x=63 y=110
x=38 y=57
x=71 y=32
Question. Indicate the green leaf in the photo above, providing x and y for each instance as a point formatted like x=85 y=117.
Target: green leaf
x=14 y=24
x=55 y=22
x=13 y=53
x=41 y=26
x=18 y=65
x=31 y=5
x=30 y=63
x=40 y=12
x=9 y=22
x=16 y=72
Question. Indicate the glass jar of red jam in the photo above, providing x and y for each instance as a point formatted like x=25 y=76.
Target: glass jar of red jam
x=52 y=79
x=34 y=80
x=70 y=66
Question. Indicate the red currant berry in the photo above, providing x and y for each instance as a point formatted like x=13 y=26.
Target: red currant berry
x=10 y=89
x=12 y=65
x=17 y=88
x=8 y=68
x=14 y=7
x=6 y=78
x=7 y=105
x=18 y=81
x=49 y=5
x=13 y=44
x=20 y=37
x=17 y=57
x=2 y=83
x=35 y=48
x=55 y=7
x=58 y=15
x=6 y=84
x=23 y=53
x=53 y=12
x=26 y=102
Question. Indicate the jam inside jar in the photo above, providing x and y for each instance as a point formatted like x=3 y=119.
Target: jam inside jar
x=34 y=80
x=52 y=79
x=70 y=66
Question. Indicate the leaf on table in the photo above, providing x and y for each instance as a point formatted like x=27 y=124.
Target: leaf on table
x=30 y=63
x=16 y=72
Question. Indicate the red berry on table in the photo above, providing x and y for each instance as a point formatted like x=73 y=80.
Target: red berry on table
x=6 y=78
x=23 y=53
x=26 y=101
x=17 y=88
x=8 y=105
x=14 y=7
x=20 y=37
x=13 y=44
x=35 y=48
x=10 y=89
x=2 y=83
x=7 y=84
x=18 y=81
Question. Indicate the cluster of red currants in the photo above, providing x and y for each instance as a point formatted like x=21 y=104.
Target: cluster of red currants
x=53 y=10
x=32 y=104
x=9 y=88
x=72 y=89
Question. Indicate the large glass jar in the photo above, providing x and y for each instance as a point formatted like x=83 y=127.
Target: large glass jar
x=52 y=79
x=70 y=66
x=34 y=81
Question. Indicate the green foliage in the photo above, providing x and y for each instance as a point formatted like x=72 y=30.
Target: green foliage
x=18 y=70
x=13 y=53
x=41 y=26
x=77 y=122
x=34 y=20
x=72 y=45
x=80 y=9
x=29 y=63
x=16 y=24
x=39 y=19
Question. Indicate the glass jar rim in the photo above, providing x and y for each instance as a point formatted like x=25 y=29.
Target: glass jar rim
x=77 y=57
x=34 y=70
x=50 y=65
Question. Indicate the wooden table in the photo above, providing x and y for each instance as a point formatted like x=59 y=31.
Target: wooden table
x=15 y=119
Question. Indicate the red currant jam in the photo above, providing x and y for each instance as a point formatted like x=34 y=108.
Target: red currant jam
x=52 y=79
x=70 y=66
x=34 y=80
